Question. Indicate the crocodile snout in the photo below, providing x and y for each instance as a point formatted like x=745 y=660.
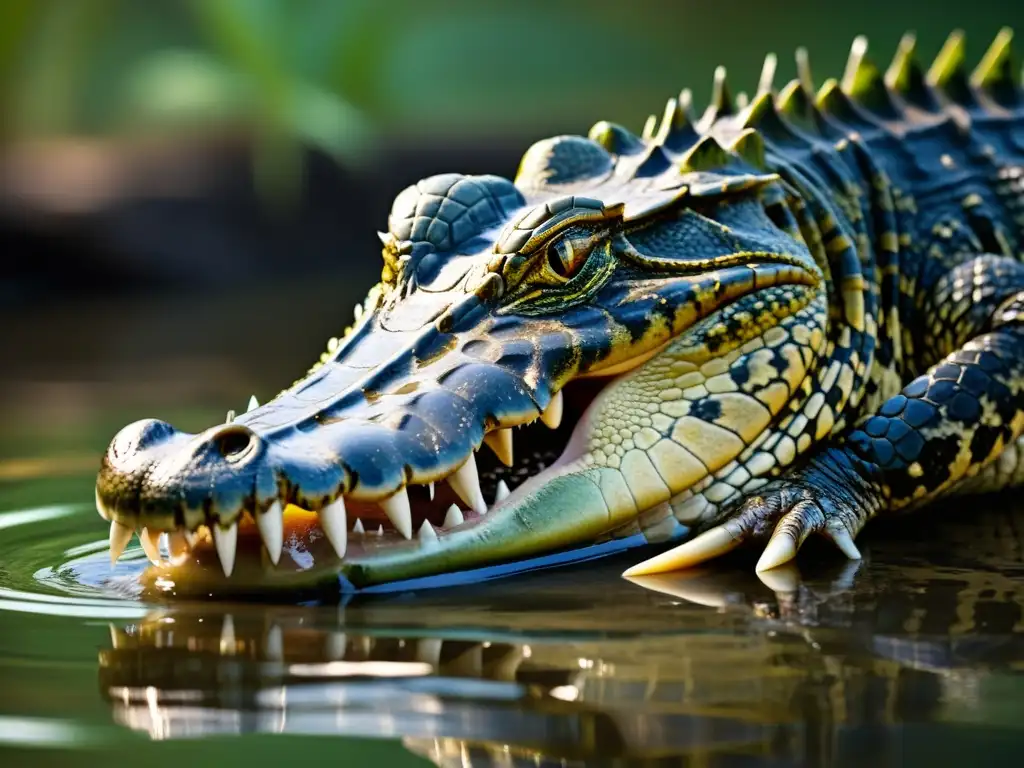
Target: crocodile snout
x=165 y=478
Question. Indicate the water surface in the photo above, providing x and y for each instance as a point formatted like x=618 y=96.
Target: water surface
x=910 y=657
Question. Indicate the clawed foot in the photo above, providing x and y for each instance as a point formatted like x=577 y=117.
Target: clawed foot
x=819 y=499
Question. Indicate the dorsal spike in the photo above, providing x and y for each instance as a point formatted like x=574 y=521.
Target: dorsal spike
x=948 y=73
x=905 y=77
x=996 y=75
x=763 y=115
x=676 y=131
x=706 y=155
x=857 y=65
x=721 y=104
x=766 y=83
x=797 y=106
x=650 y=127
x=863 y=82
x=833 y=102
x=742 y=100
x=655 y=163
x=750 y=146
x=803 y=69
x=615 y=138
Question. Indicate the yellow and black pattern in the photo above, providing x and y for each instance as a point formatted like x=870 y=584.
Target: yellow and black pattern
x=801 y=311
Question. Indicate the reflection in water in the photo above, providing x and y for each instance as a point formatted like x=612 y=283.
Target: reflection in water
x=577 y=667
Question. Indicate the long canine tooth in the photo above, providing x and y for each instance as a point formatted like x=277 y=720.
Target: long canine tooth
x=430 y=489
x=453 y=516
x=358 y=527
x=271 y=525
x=120 y=535
x=552 y=415
x=226 y=542
x=380 y=529
x=427 y=534
x=500 y=441
x=334 y=521
x=501 y=492
x=466 y=483
x=253 y=404
x=396 y=507
x=150 y=541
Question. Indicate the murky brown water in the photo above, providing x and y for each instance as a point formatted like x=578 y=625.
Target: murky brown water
x=910 y=657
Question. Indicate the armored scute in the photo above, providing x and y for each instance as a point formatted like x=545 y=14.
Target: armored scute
x=785 y=317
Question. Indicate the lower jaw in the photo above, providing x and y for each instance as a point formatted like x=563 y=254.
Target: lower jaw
x=564 y=508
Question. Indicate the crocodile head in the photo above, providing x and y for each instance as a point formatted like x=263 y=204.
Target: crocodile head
x=613 y=343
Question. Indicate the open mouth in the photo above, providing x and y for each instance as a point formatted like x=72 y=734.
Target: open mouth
x=317 y=541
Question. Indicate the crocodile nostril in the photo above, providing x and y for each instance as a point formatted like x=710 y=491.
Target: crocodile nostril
x=233 y=441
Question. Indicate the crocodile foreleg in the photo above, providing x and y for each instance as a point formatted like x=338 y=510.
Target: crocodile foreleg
x=937 y=434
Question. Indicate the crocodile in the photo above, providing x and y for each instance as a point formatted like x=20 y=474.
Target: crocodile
x=798 y=311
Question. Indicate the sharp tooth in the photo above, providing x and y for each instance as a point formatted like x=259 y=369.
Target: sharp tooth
x=552 y=415
x=273 y=646
x=358 y=527
x=465 y=482
x=271 y=525
x=396 y=507
x=230 y=417
x=150 y=541
x=226 y=541
x=334 y=521
x=501 y=492
x=500 y=441
x=430 y=489
x=427 y=534
x=253 y=403
x=120 y=535
x=103 y=510
x=453 y=517
x=334 y=646
x=380 y=529
x=227 y=629
x=178 y=544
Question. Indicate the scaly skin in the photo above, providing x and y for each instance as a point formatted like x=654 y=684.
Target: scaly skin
x=795 y=315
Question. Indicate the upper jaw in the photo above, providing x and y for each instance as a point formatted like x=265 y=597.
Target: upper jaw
x=348 y=440
x=178 y=483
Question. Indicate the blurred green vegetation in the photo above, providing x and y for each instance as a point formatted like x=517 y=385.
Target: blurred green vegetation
x=337 y=74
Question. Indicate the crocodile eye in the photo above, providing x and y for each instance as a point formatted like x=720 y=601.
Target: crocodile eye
x=567 y=255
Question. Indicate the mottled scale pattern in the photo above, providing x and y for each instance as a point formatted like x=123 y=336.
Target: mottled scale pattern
x=447 y=210
x=812 y=304
x=948 y=423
